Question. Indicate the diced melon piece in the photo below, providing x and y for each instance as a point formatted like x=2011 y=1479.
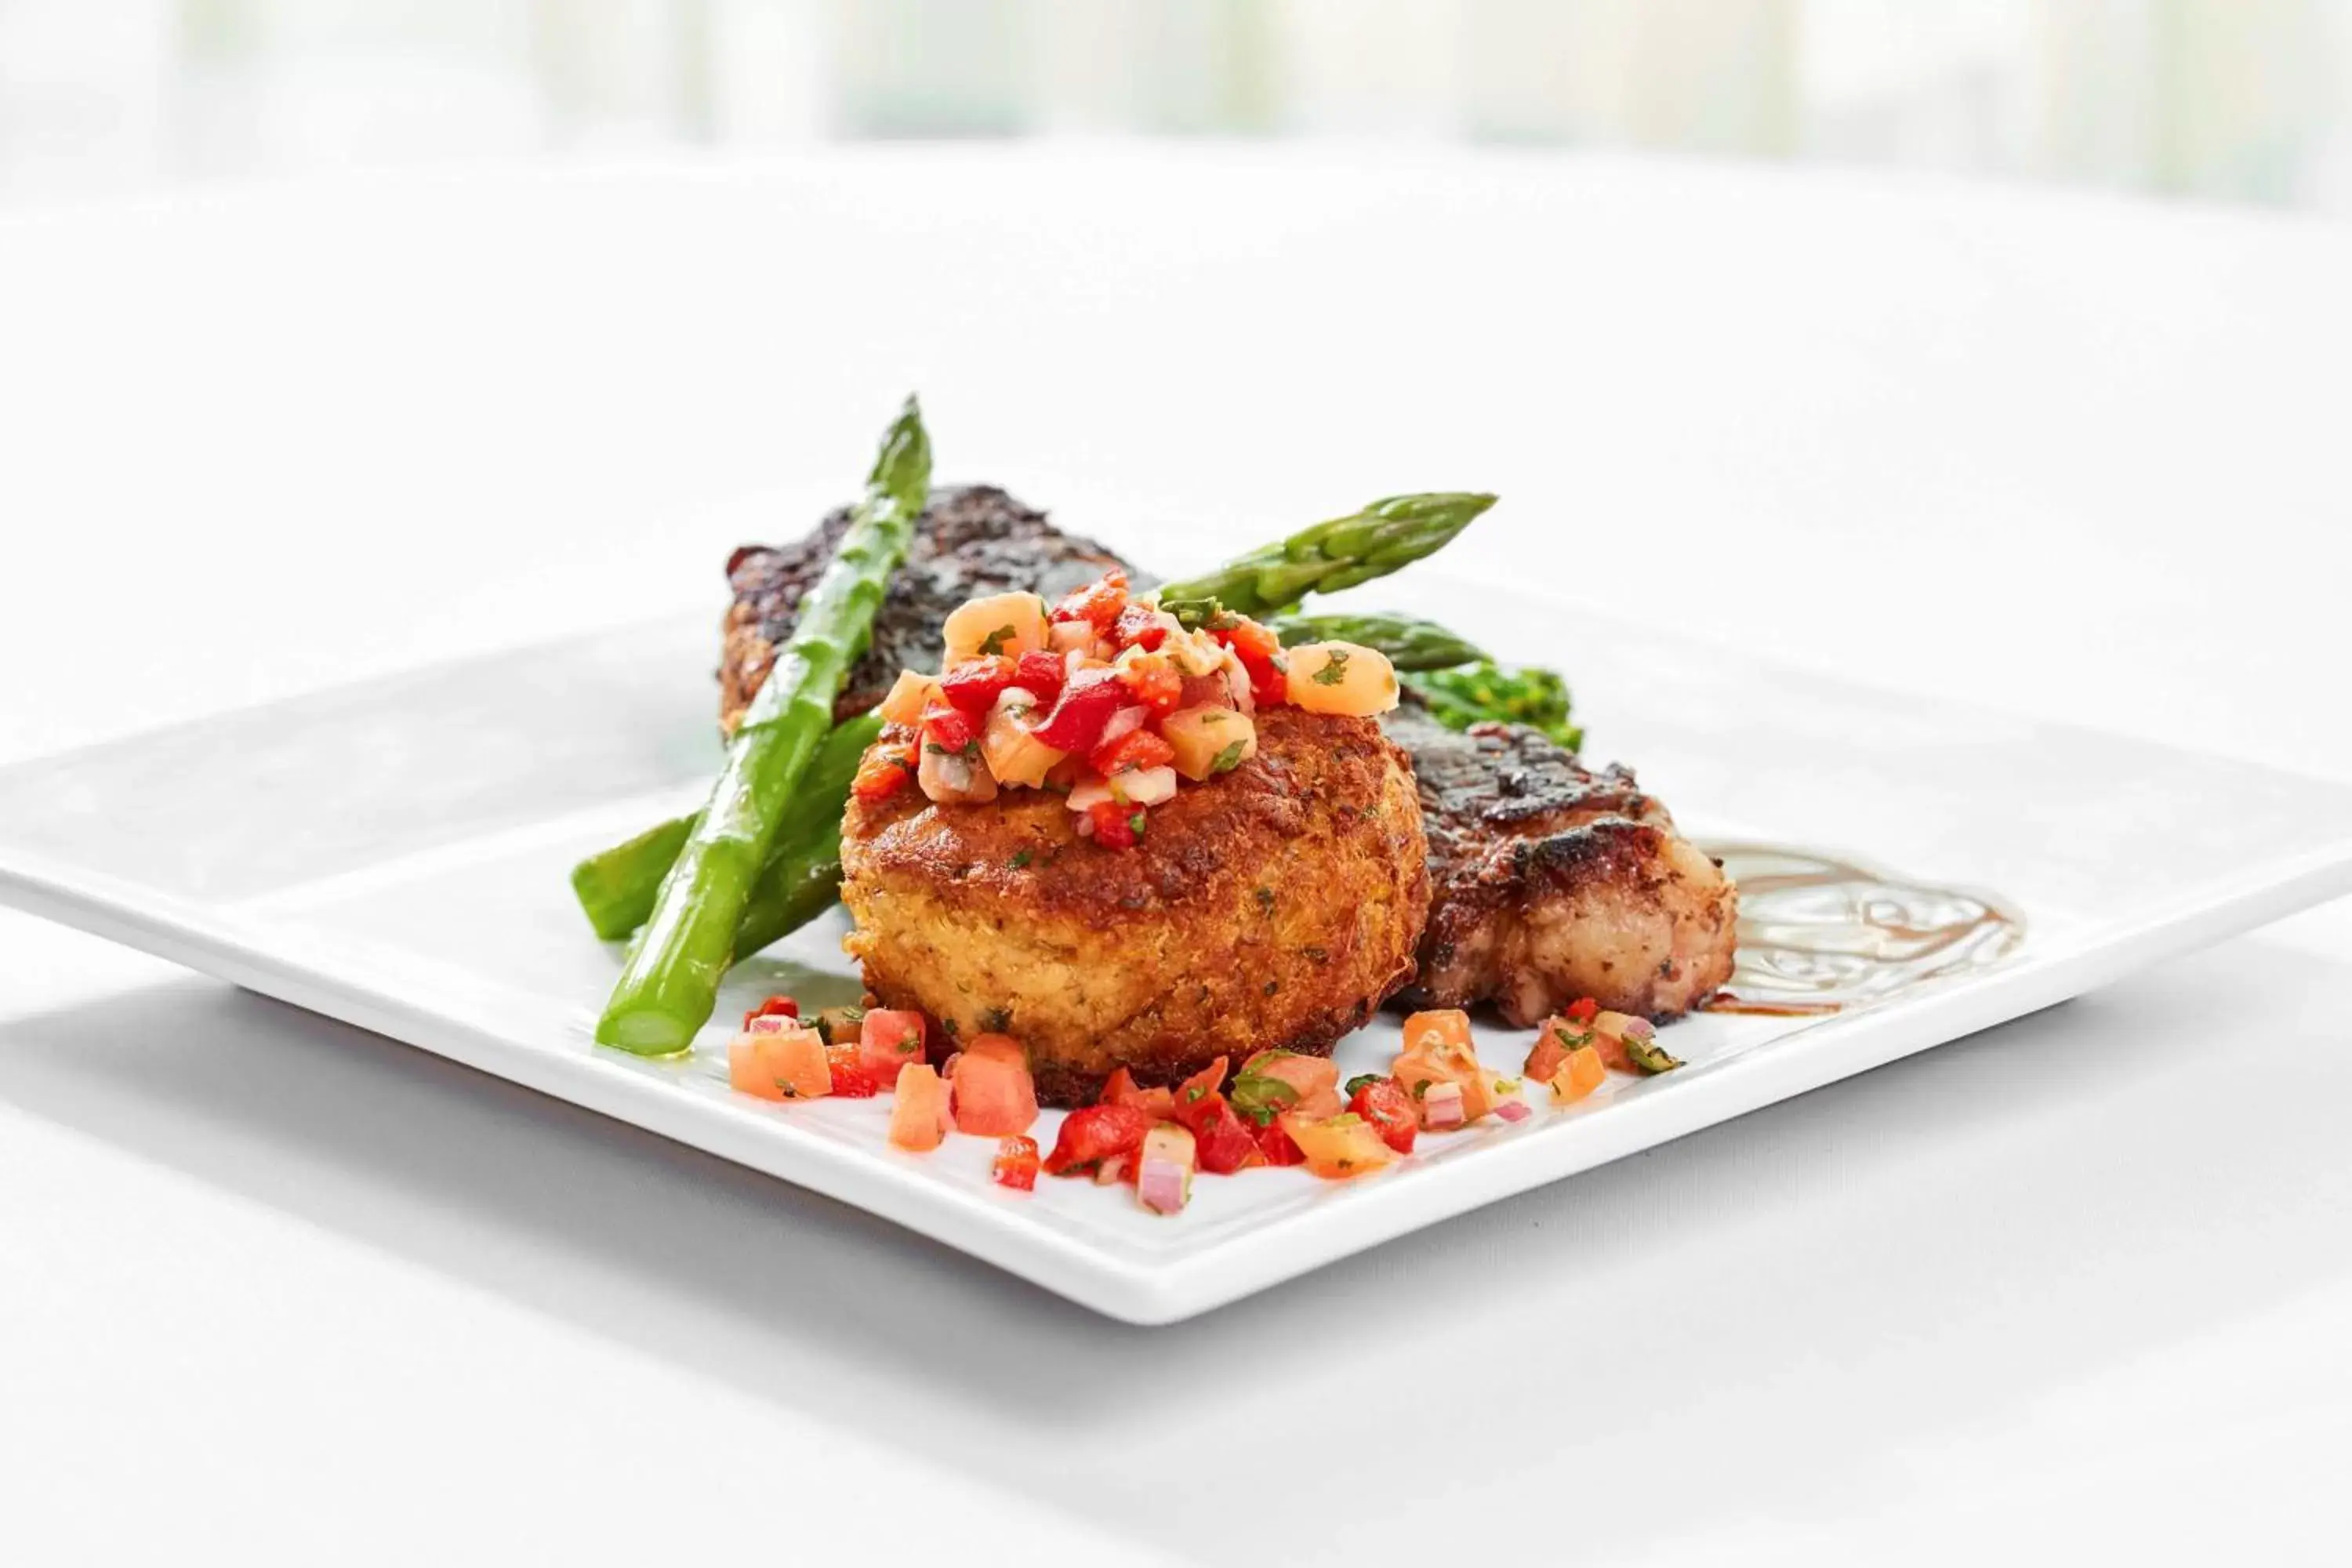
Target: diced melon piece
x=1339 y=1147
x=1579 y=1074
x=747 y=1070
x=1341 y=678
x=1438 y=1050
x=1209 y=740
x=919 y=1121
x=1014 y=755
x=1009 y=624
x=910 y=695
x=795 y=1058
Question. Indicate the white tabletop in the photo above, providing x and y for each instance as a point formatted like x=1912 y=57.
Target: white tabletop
x=2077 y=1284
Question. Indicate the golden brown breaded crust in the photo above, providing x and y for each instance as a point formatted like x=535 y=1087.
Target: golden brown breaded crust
x=1276 y=906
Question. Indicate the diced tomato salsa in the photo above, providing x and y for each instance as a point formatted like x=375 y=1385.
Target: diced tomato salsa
x=1105 y=696
x=1281 y=1108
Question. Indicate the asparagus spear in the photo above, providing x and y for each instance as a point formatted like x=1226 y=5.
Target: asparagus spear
x=1334 y=555
x=670 y=982
x=617 y=887
x=1475 y=693
x=1410 y=644
x=799 y=885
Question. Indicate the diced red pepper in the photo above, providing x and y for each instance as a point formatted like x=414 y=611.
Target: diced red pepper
x=885 y=769
x=1198 y=1090
x=1094 y=1134
x=1139 y=625
x=1115 y=825
x=1153 y=681
x=775 y=1007
x=972 y=687
x=1384 y=1103
x=949 y=729
x=1256 y=648
x=1225 y=1141
x=1016 y=1164
x=1583 y=1010
x=1277 y=1146
x=850 y=1078
x=1135 y=749
x=1098 y=603
x=1041 y=675
x=1080 y=712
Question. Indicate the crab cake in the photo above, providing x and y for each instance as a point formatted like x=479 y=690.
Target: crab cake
x=1277 y=905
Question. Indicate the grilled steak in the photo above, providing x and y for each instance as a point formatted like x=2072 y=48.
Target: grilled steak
x=969 y=542
x=1548 y=881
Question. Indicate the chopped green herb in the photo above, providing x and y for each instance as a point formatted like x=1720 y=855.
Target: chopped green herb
x=1335 y=668
x=1650 y=1055
x=1260 y=1097
x=1421 y=1089
x=1022 y=857
x=949 y=1026
x=1194 y=614
x=1229 y=759
x=1135 y=825
x=1361 y=1082
x=993 y=643
x=1193 y=1093
x=996 y=1021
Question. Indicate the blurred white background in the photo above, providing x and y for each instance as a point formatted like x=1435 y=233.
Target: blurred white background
x=2237 y=100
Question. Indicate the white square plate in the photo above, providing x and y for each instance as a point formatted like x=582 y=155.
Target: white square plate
x=394 y=854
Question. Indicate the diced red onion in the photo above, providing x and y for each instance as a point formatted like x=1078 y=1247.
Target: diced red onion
x=1163 y=1185
x=1513 y=1110
x=1123 y=724
x=1164 y=1181
x=1440 y=1106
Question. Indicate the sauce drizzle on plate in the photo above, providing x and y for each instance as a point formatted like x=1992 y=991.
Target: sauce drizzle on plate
x=1817 y=934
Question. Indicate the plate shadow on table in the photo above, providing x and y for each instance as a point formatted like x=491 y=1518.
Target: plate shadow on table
x=1771 y=1311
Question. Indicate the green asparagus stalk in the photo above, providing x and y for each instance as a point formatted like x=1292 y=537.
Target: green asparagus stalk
x=1486 y=691
x=670 y=982
x=1333 y=555
x=617 y=888
x=1410 y=644
x=799 y=885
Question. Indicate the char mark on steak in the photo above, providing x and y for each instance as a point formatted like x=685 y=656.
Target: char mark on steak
x=970 y=541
